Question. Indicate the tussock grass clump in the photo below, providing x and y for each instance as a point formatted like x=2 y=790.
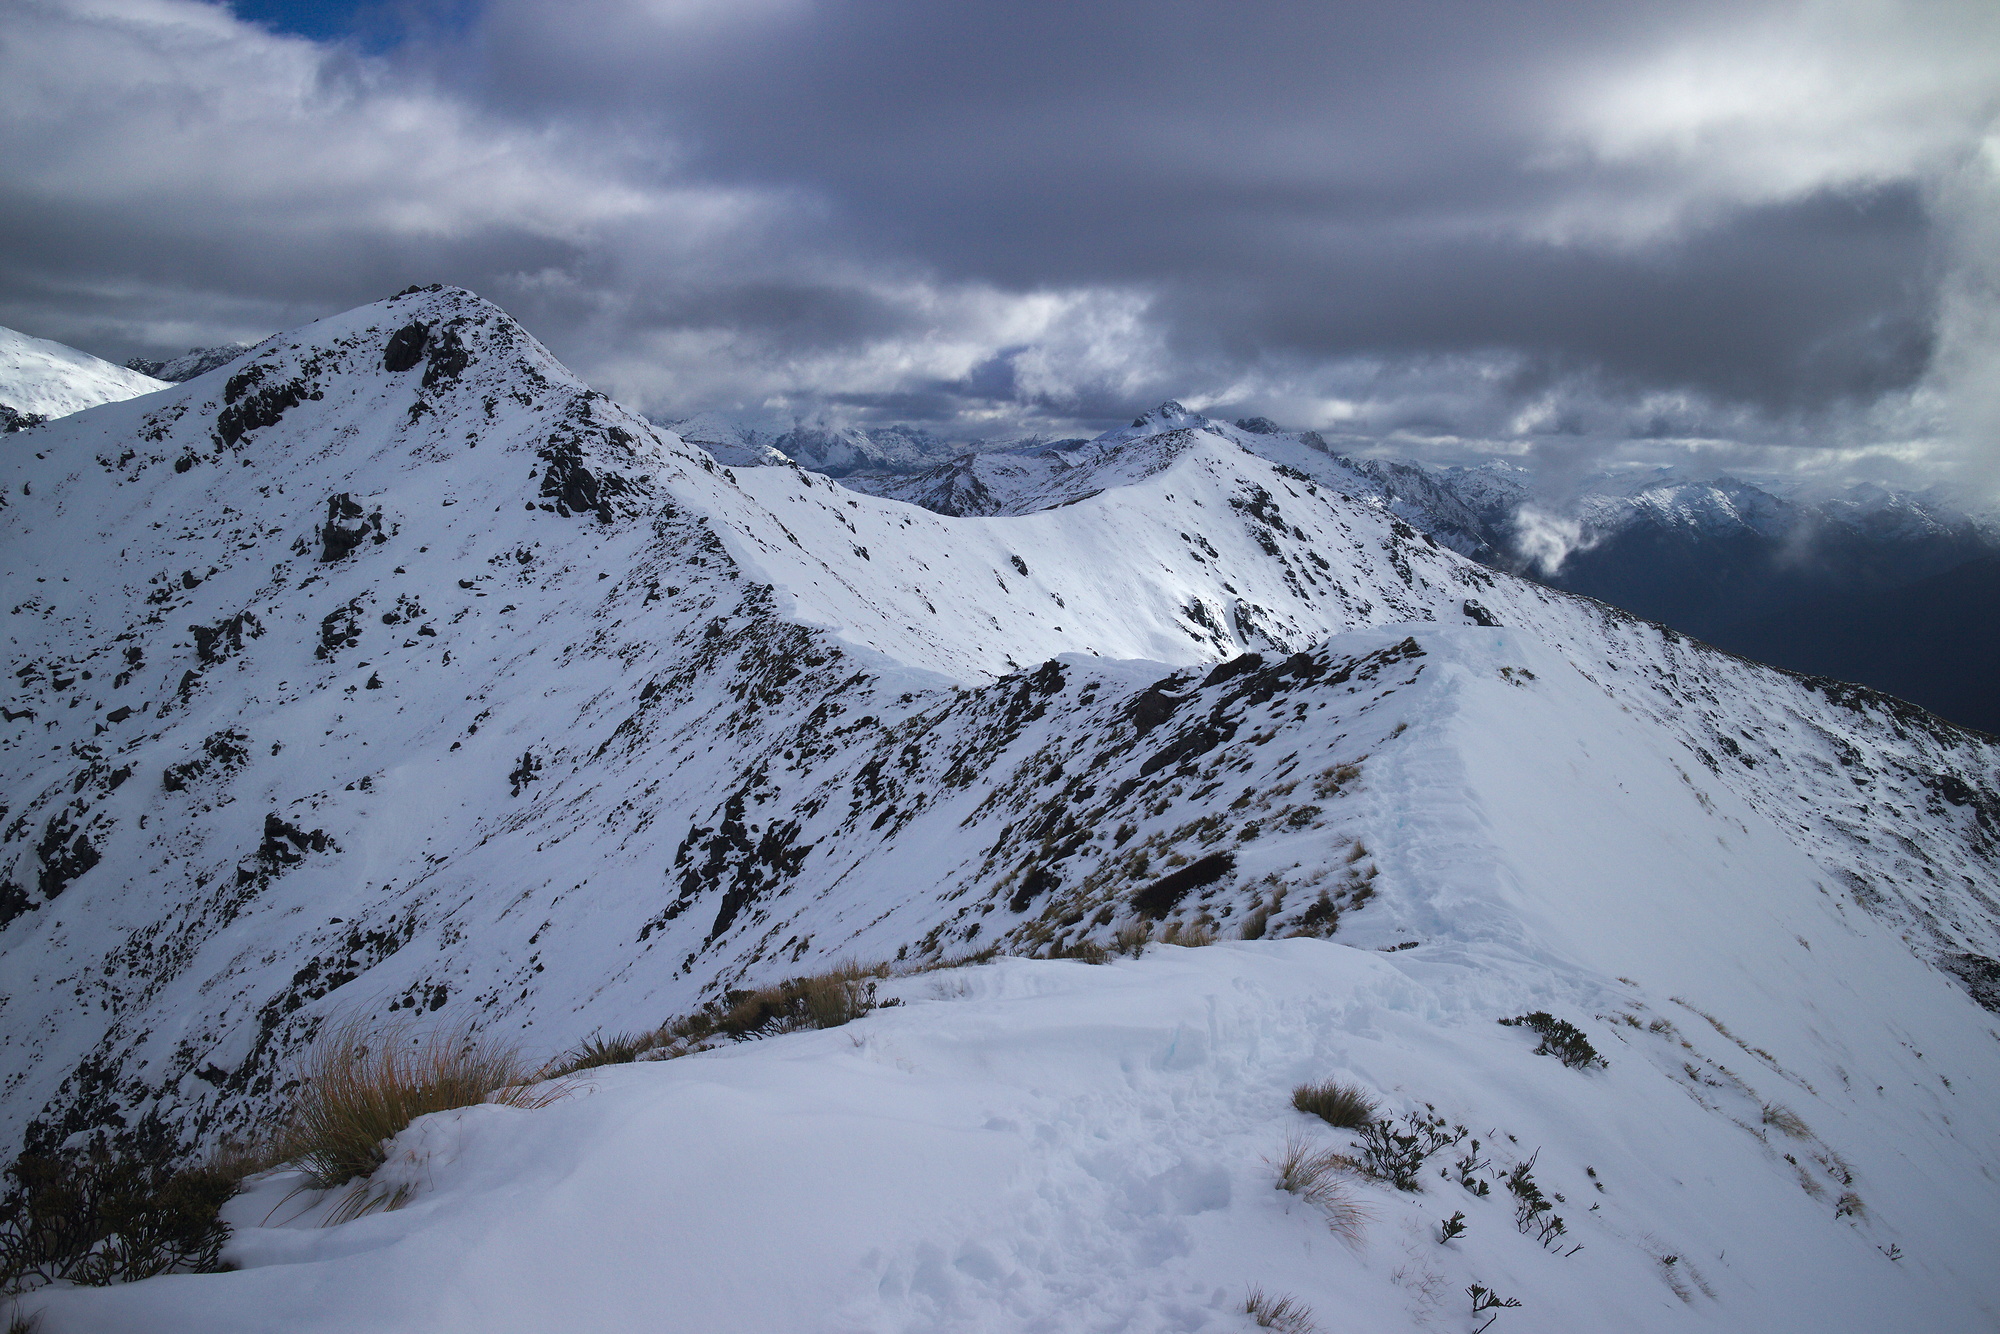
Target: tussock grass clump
x=840 y=995
x=1343 y=1106
x=602 y=1049
x=1255 y=922
x=837 y=996
x=363 y=1085
x=1785 y=1119
x=1287 y=1315
x=1190 y=935
x=1317 y=1176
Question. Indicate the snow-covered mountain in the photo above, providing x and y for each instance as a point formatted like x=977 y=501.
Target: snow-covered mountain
x=40 y=378
x=396 y=673
x=195 y=361
x=1730 y=562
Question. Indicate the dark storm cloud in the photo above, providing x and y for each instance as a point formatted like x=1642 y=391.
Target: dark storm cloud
x=1512 y=220
x=1313 y=179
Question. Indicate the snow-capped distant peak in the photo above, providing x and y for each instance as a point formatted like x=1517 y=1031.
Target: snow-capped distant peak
x=42 y=378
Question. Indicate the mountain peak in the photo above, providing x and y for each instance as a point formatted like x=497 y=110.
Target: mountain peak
x=1168 y=415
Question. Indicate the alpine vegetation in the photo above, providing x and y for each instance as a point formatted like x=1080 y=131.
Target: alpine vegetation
x=473 y=796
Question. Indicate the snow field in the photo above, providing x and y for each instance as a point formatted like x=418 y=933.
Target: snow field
x=50 y=379
x=1051 y=1146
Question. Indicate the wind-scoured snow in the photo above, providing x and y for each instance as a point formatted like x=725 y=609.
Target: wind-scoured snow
x=49 y=379
x=391 y=671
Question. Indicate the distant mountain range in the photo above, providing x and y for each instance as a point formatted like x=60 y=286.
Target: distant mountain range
x=1890 y=588
x=195 y=361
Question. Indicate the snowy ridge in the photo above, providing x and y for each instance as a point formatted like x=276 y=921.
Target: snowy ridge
x=394 y=671
x=47 y=379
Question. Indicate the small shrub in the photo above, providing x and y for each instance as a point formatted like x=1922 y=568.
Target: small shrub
x=1485 y=1299
x=1397 y=1156
x=112 y=1212
x=1132 y=938
x=1466 y=1171
x=1452 y=1227
x=364 y=1085
x=1287 y=1315
x=1534 y=1212
x=1560 y=1039
x=1084 y=951
x=1343 y=1106
x=1321 y=917
x=1315 y=1176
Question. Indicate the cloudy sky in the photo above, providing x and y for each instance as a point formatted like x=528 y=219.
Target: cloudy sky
x=1738 y=234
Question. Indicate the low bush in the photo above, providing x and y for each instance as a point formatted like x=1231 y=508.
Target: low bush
x=1560 y=1039
x=1534 y=1211
x=1397 y=1156
x=1344 y=1106
x=1321 y=917
x=363 y=1085
x=111 y=1212
x=1132 y=938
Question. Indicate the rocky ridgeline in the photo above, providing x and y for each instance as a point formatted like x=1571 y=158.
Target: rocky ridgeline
x=397 y=671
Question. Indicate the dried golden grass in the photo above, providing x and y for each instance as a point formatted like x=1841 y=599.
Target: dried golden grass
x=840 y=995
x=1318 y=1176
x=1132 y=938
x=1343 y=1106
x=1287 y=1315
x=363 y=1084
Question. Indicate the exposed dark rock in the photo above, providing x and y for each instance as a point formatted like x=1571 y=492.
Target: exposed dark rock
x=251 y=404
x=13 y=902
x=340 y=628
x=574 y=488
x=1478 y=615
x=1034 y=884
x=448 y=359
x=11 y=420
x=347 y=527
x=1978 y=974
x=222 y=752
x=65 y=854
x=406 y=347
x=285 y=844
x=216 y=643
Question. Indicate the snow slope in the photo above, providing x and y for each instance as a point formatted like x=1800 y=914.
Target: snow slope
x=395 y=671
x=47 y=379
